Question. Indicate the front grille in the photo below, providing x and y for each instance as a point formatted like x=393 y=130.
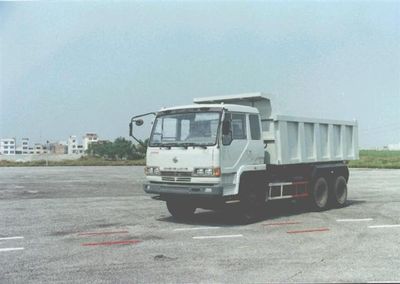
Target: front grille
x=176 y=179
x=176 y=174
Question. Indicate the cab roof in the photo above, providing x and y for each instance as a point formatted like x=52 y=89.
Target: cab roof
x=215 y=107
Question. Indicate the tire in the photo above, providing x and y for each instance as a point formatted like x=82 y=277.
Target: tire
x=180 y=209
x=339 y=192
x=252 y=199
x=319 y=195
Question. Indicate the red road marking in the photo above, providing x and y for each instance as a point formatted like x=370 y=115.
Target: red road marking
x=112 y=243
x=102 y=233
x=281 y=223
x=309 y=231
x=300 y=182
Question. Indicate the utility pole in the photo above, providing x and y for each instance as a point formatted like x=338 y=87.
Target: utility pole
x=47 y=153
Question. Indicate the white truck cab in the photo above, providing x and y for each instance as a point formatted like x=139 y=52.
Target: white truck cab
x=188 y=152
x=232 y=149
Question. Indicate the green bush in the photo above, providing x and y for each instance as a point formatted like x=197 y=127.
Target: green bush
x=122 y=155
x=120 y=149
x=83 y=161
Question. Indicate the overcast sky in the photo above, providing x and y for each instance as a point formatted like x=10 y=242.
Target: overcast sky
x=71 y=68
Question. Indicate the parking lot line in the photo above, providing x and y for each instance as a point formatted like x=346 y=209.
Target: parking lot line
x=281 y=223
x=127 y=242
x=355 y=220
x=196 y=228
x=10 y=249
x=308 y=231
x=10 y=238
x=384 y=226
x=217 y=237
x=395 y=281
x=102 y=233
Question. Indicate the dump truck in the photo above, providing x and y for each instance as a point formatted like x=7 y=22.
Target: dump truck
x=238 y=149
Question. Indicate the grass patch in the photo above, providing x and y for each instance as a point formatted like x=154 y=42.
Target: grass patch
x=377 y=159
x=83 y=161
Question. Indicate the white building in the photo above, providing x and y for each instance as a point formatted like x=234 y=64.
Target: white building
x=80 y=150
x=72 y=145
x=394 y=147
x=25 y=146
x=89 y=138
x=39 y=149
x=7 y=146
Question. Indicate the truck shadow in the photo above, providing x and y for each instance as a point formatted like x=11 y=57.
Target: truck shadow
x=230 y=217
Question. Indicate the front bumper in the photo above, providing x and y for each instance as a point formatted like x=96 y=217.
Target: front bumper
x=186 y=189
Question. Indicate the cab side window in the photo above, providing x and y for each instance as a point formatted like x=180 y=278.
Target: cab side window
x=239 y=126
x=255 y=127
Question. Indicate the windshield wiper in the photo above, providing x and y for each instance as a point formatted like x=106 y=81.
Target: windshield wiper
x=168 y=145
x=185 y=145
x=188 y=144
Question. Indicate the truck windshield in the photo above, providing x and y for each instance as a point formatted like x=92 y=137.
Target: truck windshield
x=186 y=129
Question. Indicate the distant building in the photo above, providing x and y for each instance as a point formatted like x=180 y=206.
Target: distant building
x=72 y=145
x=80 y=149
x=7 y=146
x=39 y=149
x=89 y=138
x=393 y=147
x=18 y=150
x=25 y=146
x=58 y=148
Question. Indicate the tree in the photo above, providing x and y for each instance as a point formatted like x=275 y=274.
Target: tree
x=120 y=149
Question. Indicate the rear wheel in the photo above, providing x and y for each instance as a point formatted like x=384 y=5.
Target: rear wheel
x=180 y=209
x=339 y=192
x=319 y=194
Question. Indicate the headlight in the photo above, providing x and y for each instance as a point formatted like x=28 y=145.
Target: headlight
x=207 y=172
x=150 y=171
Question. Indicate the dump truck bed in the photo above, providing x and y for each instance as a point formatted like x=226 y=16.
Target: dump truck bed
x=297 y=140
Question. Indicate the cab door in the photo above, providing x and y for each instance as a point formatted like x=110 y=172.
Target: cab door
x=243 y=146
x=235 y=145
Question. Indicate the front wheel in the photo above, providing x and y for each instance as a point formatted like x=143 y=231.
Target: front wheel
x=180 y=209
x=252 y=199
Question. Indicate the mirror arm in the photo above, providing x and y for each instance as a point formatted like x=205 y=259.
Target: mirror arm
x=137 y=116
x=133 y=119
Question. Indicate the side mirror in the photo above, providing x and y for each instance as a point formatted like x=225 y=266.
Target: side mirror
x=226 y=127
x=139 y=122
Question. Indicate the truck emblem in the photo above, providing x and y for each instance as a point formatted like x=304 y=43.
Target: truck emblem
x=175 y=160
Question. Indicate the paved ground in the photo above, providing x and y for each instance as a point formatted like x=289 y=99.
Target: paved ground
x=94 y=224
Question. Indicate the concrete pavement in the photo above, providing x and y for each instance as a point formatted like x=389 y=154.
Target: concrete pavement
x=95 y=224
